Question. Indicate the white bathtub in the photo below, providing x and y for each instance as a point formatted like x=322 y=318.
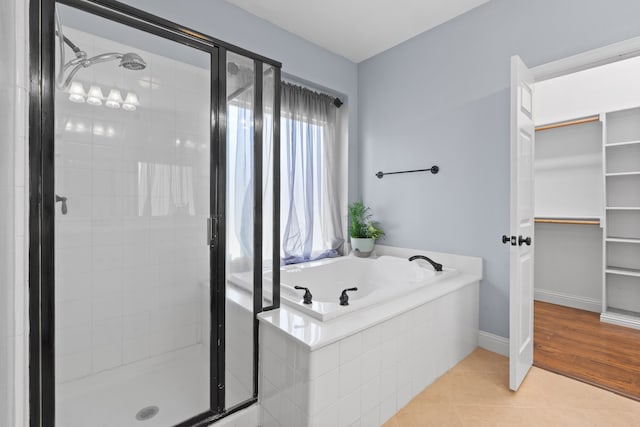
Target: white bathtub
x=377 y=279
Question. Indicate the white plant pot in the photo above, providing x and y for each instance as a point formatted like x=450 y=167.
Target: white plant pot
x=362 y=247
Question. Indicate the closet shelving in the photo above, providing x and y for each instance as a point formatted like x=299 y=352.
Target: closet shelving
x=621 y=246
x=569 y=213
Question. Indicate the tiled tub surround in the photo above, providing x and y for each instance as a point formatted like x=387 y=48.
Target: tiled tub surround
x=361 y=368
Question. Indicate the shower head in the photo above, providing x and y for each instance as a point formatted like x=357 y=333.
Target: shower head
x=132 y=61
x=129 y=61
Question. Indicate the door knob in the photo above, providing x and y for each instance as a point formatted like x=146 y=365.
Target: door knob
x=509 y=239
x=522 y=240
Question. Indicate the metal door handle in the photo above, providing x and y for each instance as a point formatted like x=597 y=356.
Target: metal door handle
x=509 y=239
x=522 y=240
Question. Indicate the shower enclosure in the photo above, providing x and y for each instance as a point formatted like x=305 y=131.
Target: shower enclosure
x=154 y=218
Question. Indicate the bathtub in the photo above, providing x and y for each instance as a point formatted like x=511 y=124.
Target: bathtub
x=377 y=279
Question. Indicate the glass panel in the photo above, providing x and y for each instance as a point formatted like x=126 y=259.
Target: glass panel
x=268 y=100
x=132 y=168
x=239 y=347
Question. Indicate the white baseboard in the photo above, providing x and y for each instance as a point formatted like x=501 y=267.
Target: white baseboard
x=494 y=343
x=620 y=320
x=567 y=300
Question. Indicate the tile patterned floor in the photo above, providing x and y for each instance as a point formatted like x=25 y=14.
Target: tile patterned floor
x=475 y=393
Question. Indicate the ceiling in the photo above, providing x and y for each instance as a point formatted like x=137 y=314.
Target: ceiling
x=357 y=29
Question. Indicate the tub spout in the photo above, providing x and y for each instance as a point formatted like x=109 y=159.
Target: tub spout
x=436 y=266
x=344 y=297
x=306 y=299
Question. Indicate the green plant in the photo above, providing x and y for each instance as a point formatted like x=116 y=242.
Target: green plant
x=361 y=226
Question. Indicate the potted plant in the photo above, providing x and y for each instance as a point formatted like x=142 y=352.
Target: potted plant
x=362 y=229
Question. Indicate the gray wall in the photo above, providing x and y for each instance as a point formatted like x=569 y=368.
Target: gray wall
x=443 y=98
x=300 y=58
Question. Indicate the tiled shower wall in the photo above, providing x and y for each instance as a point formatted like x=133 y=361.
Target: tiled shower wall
x=13 y=217
x=131 y=251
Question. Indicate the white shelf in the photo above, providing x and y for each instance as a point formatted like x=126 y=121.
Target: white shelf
x=578 y=217
x=623 y=173
x=621 y=144
x=621 y=251
x=623 y=271
x=623 y=240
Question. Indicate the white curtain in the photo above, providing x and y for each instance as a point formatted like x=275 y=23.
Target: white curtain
x=310 y=160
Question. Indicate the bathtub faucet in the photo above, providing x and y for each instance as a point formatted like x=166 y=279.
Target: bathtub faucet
x=306 y=299
x=436 y=266
x=344 y=297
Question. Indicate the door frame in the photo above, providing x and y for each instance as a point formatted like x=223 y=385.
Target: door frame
x=42 y=191
x=615 y=52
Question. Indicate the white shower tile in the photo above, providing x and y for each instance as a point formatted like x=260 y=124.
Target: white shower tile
x=185 y=335
x=370 y=395
x=73 y=154
x=106 y=333
x=370 y=418
x=75 y=339
x=371 y=338
x=106 y=282
x=387 y=408
x=72 y=313
x=350 y=376
x=107 y=307
x=107 y=257
x=106 y=183
x=371 y=364
x=73 y=232
x=328 y=417
x=136 y=325
x=70 y=366
x=160 y=342
x=350 y=348
x=74 y=182
x=106 y=357
x=73 y=285
x=404 y=395
x=324 y=360
x=135 y=349
x=388 y=381
x=324 y=391
x=349 y=409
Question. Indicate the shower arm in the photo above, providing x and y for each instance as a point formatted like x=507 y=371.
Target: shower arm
x=84 y=63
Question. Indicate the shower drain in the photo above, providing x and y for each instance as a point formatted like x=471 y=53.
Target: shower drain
x=147 y=413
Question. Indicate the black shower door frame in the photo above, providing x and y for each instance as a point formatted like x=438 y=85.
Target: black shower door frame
x=42 y=196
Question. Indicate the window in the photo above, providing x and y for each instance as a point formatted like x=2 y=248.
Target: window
x=310 y=221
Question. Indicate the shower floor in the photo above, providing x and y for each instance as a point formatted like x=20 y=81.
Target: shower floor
x=177 y=383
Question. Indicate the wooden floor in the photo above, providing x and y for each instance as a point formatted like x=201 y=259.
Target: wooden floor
x=576 y=344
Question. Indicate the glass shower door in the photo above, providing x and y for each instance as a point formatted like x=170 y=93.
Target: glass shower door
x=133 y=129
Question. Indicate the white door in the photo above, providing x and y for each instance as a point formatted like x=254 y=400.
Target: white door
x=522 y=224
